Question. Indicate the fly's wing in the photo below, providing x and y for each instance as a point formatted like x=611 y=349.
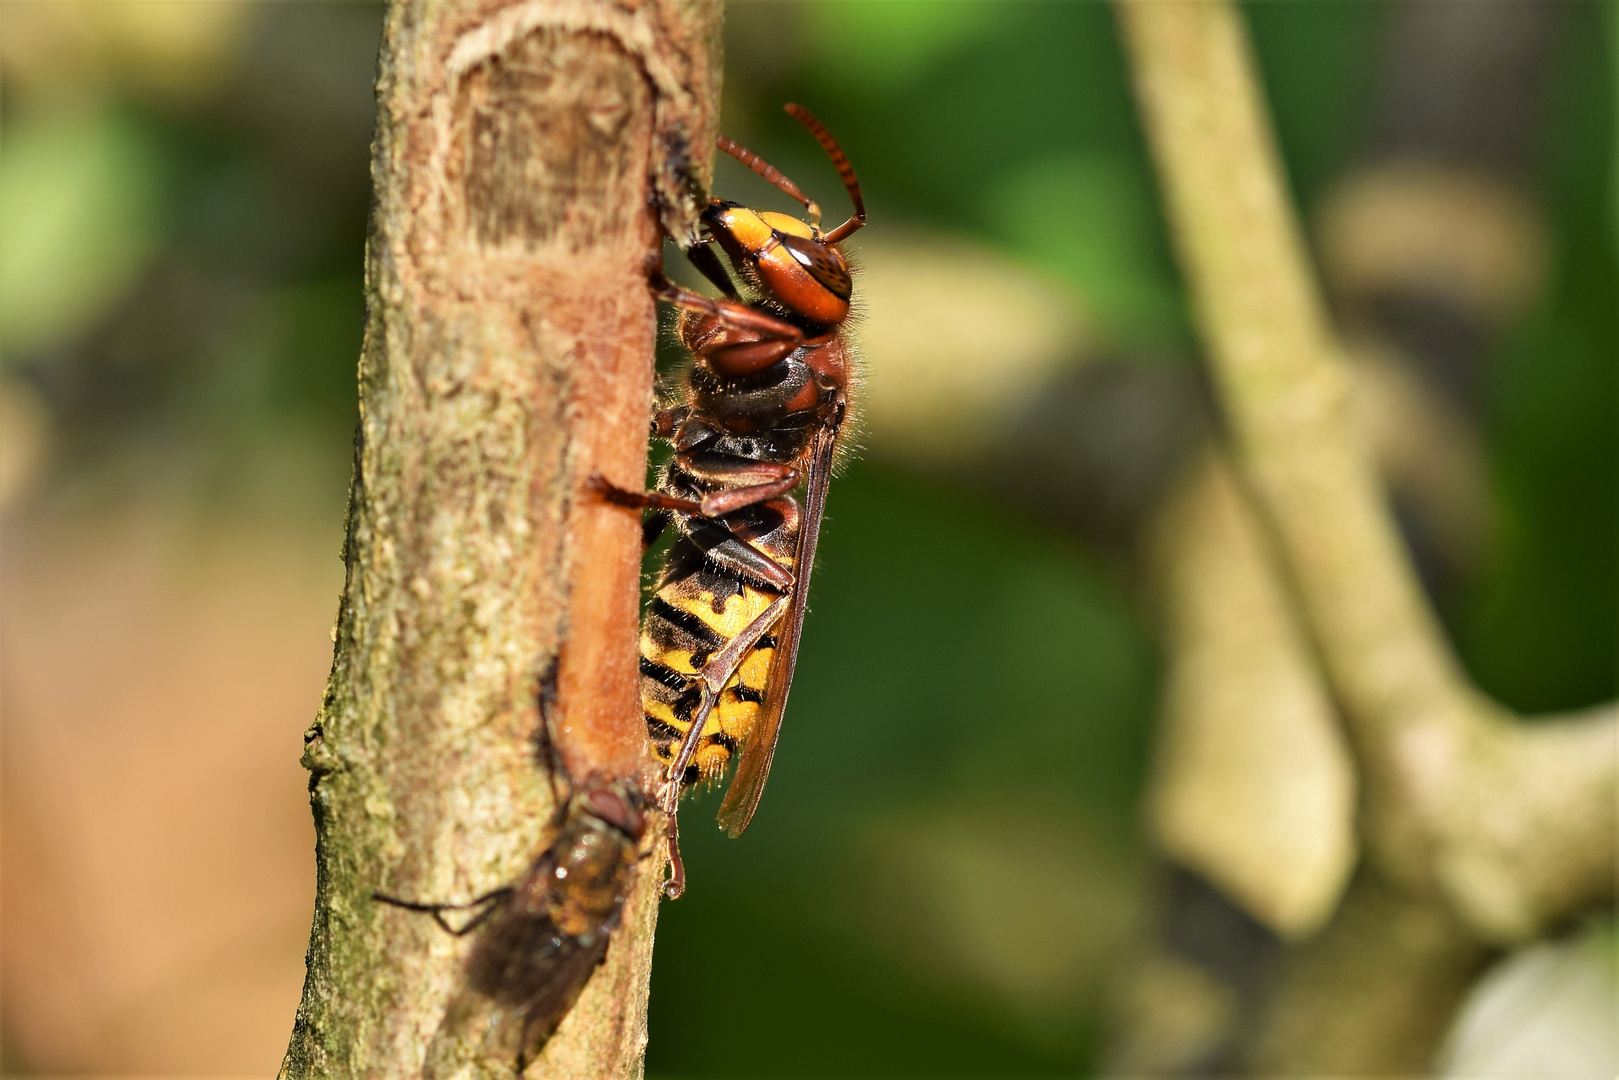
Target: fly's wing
x=551 y=1001
x=508 y=1028
x=522 y=979
x=534 y=974
x=742 y=797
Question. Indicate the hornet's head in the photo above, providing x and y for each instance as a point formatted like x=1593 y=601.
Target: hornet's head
x=789 y=260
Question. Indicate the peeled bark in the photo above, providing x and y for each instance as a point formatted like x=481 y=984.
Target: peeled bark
x=524 y=156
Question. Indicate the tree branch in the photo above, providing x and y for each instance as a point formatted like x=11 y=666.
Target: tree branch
x=524 y=153
x=1253 y=783
x=1373 y=994
x=1512 y=824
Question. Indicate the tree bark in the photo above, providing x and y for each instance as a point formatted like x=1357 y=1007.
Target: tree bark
x=526 y=155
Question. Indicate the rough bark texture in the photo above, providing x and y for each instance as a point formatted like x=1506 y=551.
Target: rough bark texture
x=1479 y=828
x=524 y=154
x=1253 y=784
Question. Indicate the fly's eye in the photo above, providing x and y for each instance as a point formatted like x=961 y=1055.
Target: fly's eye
x=612 y=808
x=824 y=263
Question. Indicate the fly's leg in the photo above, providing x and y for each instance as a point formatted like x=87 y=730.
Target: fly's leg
x=486 y=901
x=544 y=745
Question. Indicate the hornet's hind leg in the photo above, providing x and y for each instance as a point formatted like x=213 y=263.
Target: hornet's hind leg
x=715 y=674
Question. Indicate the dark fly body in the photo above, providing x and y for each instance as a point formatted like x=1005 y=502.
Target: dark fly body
x=539 y=941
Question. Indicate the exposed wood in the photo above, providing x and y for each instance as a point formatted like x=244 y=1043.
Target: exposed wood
x=524 y=156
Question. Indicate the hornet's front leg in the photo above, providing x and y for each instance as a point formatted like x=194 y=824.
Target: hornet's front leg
x=743 y=339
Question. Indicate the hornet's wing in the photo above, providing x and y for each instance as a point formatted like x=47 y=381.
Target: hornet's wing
x=742 y=797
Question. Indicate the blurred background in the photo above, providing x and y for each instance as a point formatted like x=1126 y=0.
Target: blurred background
x=968 y=861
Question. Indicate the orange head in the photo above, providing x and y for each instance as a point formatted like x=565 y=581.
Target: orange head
x=785 y=258
x=789 y=260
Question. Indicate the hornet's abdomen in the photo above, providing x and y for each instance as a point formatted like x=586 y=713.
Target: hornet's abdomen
x=698 y=608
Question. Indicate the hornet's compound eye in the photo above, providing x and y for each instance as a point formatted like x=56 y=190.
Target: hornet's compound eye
x=824 y=264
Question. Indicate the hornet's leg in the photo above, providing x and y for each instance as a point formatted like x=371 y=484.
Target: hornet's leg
x=754 y=482
x=669 y=797
x=773 y=480
x=715 y=674
x=677 y=869
x=744 y=557
x=664 y=421
x=708 y=264
x=748 y=339
x=653 y=527
x=606 y=490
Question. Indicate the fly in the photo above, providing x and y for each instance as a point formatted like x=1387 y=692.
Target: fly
x=542 y=938
x=760 y=414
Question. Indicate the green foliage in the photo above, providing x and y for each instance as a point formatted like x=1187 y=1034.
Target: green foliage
x=1541 y=626
x=189 y=278
x=79 y=206
x=1091 y=220
x=954 y=654
x=965 y=671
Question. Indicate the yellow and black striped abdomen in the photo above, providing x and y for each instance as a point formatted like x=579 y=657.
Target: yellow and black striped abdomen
x=698 y=609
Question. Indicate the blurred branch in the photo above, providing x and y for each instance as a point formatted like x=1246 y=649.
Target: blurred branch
x=1510 y=824
x=519 y=158
x=1253 y=785
x=1373 y=994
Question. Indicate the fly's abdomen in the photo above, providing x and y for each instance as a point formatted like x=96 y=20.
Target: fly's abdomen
x=695 y=612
